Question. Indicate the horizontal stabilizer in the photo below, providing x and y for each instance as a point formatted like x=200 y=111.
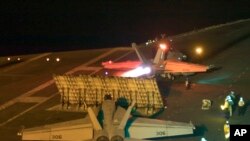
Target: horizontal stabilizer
x=71 y=130
x=143 y=128
x=131 y=139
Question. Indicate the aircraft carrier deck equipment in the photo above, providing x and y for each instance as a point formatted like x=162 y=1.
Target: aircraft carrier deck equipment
x=85 y=90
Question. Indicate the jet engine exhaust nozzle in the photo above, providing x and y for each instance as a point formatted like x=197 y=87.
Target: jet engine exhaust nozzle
x=102 y=138
x=117 y=138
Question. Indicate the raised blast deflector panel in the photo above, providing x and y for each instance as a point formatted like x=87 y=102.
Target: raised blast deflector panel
x=84 y=91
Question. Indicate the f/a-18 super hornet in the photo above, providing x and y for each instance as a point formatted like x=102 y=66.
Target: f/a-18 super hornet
x=169 y=67
x=116 y=124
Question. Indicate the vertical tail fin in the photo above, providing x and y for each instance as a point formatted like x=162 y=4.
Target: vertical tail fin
x=94 y=121
x=126 y=116
x=160 y=55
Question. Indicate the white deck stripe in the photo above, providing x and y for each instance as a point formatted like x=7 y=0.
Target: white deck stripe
x=27 y=110
x=50 y=82
x=44 y=85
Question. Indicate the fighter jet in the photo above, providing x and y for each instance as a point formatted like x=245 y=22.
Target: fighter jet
x=169 y=67
x=116 y=125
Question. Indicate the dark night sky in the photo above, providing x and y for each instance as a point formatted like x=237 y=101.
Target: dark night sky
x=28 y=26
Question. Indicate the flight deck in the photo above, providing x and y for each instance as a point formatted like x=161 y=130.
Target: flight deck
x=28 y=90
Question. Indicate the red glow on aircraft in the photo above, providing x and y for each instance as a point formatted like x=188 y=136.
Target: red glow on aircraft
x=121 y=65
x=179 y=66
x=110 y=62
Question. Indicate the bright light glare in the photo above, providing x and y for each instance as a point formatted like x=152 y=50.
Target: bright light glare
x=222 y=107
x=8 y=58
x=106 y=73
x=203 y=139
x=47 y=59
x=163 y=46
x=227 y=135
x=137 y=72
x=198 y=50
x=57 y=59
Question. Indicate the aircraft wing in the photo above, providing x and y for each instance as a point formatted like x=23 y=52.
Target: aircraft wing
x=179 y=66
x=121 y=65
x=70 y=130
x=144 y=128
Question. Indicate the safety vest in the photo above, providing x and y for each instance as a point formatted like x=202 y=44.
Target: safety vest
x=225 y=106
x=241 y=103
x=227 y=131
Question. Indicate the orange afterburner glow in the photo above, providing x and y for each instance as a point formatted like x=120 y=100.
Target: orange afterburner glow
x=137 y=72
